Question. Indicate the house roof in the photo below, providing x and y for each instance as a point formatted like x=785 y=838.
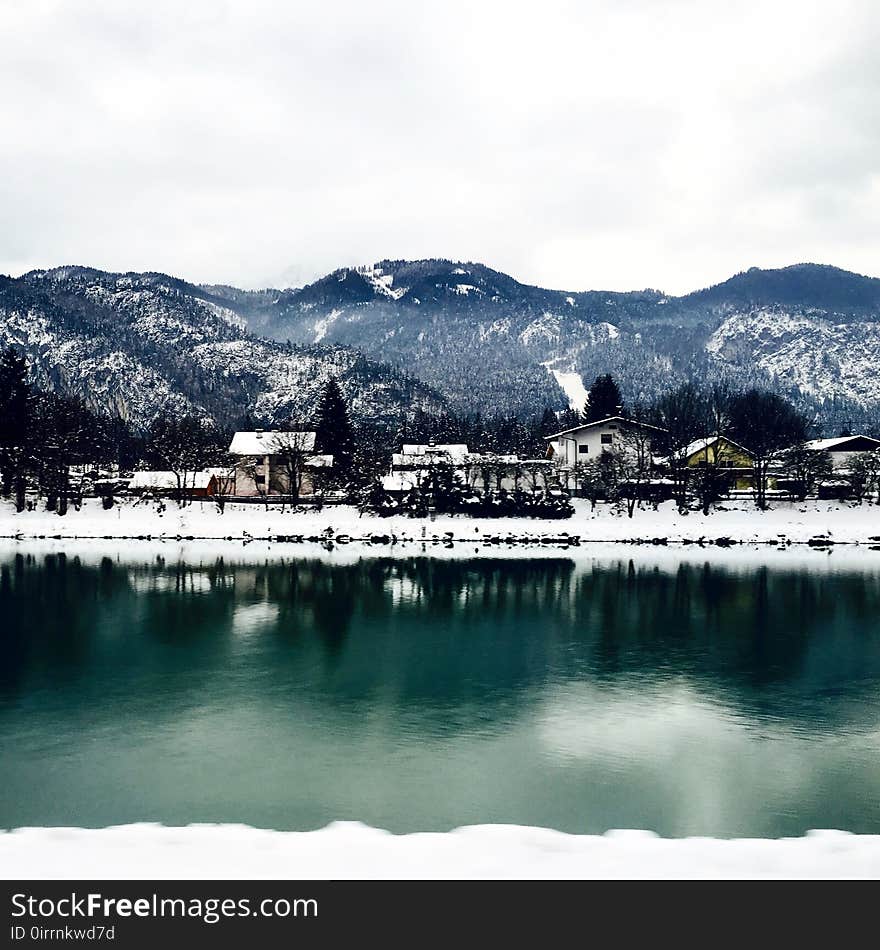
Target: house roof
x=268 y=441
x=399 y=481
x=454 y=449
x=699 y=445
x=602 y=422
x=168 y=480
x=839 y=444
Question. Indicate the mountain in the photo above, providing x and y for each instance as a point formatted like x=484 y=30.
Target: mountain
x=440 y=334
x=490 y=343
x=132 y=344
x=801 y=286
x=477 y=335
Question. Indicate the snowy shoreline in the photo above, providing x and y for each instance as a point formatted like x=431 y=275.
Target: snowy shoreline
x=351 y=850
x=820 y=524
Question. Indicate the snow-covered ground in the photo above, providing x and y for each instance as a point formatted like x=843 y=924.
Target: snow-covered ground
x=572 y=384
x=738 y=521
x=349 y=850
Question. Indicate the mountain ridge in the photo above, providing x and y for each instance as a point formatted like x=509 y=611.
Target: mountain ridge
x=488 y=341
x=441 y=334
x=133 y=344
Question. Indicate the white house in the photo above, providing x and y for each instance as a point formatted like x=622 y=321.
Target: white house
x=275 y=462
x=486 y=472
x=412 y=464
x=845 y=448
x=415 y=456
x=590 y=440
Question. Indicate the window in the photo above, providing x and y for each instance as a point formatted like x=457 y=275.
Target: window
x=607 y=438
x=583 y=449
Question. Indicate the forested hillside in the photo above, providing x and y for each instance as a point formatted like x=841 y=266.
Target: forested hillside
x=485 y=340
x=134 y=344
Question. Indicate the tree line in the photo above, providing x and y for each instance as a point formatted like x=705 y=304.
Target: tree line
x=47 y=440
x=732 y=422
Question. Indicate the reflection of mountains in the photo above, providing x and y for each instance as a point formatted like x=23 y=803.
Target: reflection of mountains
x=444 y=638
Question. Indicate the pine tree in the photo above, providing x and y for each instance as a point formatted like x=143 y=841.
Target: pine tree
x=16 y=430
x=603 y=399
x=549 y=423
x=333 y=432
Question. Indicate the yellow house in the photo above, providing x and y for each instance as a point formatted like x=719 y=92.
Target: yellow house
x=718 y=451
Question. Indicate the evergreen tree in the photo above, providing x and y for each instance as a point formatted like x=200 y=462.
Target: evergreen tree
x=16 y=430
x=70 y=435
x=603 y=399
x=549 y=423
x=333 y=432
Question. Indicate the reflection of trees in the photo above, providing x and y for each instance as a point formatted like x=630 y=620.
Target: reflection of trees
x=455 y=639
x=49 y=608
x=316 y=596
x=753 y=635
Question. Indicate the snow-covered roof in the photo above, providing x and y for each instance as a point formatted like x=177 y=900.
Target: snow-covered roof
x=399 y=481
x=602 y=422
x=700 y=445
x=168 y=480
x=268 y=442
x=319 y=461
x=453 y=450
x=832 y=445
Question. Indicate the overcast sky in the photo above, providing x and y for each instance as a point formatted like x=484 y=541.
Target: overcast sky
x=577 y=145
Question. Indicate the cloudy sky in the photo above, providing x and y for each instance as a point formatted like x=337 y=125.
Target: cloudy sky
x=619 y=145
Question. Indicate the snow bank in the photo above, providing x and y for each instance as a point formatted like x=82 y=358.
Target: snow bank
x=349 y=850
x=740 y=521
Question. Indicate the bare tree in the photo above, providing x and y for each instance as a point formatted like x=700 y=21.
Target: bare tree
x=588 y=480
x=684 y=413
x=807 y=468
x=183 y=446
x=291 y=452
x=256 y=469
x=634 y=463
x=863 y=474
x=536 y=474
x=767 y=425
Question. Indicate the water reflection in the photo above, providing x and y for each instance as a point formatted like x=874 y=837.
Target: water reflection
x=420 y=693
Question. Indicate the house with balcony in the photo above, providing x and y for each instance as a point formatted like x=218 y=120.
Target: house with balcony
x=591 y=440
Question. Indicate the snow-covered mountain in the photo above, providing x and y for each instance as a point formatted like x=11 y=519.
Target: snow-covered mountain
x=490 y=343
x=476 y=334
x=437 y=333
x=135 y=343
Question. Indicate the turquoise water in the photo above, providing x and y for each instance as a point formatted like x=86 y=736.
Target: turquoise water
x=684 y=696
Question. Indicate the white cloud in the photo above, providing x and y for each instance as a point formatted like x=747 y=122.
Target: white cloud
x=617 y=144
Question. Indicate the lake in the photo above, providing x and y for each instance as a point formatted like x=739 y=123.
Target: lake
x=687 y=692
